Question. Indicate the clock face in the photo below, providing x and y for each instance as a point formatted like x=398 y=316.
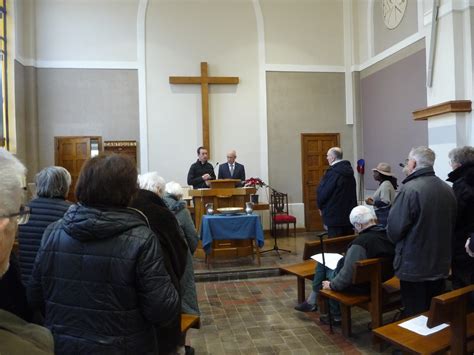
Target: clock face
x=393 y=11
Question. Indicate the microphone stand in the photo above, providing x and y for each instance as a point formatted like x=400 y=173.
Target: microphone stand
x=321 y=235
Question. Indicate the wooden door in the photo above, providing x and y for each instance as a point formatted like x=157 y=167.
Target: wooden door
x=71 y=153
x=314 y=148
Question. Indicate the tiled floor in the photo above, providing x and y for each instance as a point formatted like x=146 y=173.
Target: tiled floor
x=256 y=315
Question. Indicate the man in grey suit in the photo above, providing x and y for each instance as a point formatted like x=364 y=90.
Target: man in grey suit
x=232 y=169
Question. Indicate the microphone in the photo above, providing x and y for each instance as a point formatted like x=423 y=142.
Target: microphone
x=217 y=163
x=401 y=165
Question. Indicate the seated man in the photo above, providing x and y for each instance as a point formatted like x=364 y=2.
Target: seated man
x=201 y=172
x=232 y=169
x=372 y=242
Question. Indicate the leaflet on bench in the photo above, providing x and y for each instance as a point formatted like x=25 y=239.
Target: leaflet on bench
x=331 y=259
x=418 y=325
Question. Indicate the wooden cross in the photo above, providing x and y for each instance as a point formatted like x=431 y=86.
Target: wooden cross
x=204 y=80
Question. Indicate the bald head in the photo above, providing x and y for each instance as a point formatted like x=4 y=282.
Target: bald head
x=231 y=156
x=334 y=154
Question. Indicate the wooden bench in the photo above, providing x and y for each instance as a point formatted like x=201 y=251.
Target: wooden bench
x=449 y=308
x=189 y=321
x=306 y=269
x=383 y=296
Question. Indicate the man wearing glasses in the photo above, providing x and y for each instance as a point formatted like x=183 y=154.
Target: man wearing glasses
x=421 y=224
x=15 y=333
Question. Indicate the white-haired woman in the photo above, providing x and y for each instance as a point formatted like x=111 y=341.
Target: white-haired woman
x=164 y=224
x=52 y=187
x=174 y=201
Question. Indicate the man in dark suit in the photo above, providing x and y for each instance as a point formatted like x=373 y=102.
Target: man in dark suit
x=232 y=169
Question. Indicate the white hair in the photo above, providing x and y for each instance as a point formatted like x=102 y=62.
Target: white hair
x=174 y=189
x=361 y=215
x=12 y=177
x=424 y=157
x=152 y=182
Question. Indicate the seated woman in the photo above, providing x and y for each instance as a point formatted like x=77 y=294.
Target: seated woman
x=52 y=187
x=385 y=194
x=174 y=201
x=175 y=250
x=99 y=274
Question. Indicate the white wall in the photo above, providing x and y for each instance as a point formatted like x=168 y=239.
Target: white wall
x=82 y=30
x=180 y=35
x=304 y=32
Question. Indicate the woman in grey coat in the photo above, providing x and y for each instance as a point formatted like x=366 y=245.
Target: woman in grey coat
x=174 y=201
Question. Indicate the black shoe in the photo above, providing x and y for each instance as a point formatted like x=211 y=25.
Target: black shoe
x=306 y=307
x=188 y=350
x=325 y=320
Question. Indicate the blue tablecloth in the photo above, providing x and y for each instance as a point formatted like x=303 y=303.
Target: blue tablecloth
x=230 y=227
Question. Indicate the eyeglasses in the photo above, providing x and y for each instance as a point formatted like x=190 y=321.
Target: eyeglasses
x=23 y=216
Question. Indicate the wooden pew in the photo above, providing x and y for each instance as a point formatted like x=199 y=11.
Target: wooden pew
x=306 y=269
x=383 y=296
x=189 y=321
x=449 y=308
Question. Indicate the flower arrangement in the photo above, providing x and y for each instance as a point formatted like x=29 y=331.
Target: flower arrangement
x=254 y=182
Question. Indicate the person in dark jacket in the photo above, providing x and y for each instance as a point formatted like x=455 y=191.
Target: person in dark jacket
x=462 y=177
x=336 y=194
x=201 y=172
x=52 y=187
x=372 y=242
x=99 y=274
x=421 y=225
x=166 y=228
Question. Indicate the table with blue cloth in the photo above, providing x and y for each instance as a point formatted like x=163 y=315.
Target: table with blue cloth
x=235 y=227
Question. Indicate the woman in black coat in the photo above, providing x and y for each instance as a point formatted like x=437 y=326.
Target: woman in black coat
x=165 y=226
x=462 y=177
x=99 y=274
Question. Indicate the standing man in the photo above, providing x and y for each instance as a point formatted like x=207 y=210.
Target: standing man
x=336 y=194
x=201 y=172
x=231 y=170
x=336 y=197
x=421 y=225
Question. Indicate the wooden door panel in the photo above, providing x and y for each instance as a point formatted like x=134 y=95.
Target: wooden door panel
x=71 y=153
x=313 y=158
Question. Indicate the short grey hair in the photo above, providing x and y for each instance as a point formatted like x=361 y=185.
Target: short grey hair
x=174 y=189
x=53 y=182
x=424 y=157
x=12 y=179
x=361 y=215
x=336 y=152
x=462 y=155
x=152 y=182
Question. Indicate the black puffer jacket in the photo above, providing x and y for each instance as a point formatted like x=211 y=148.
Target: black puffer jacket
x=100 y=277
x=44 y=211
x=463 y=187
x=336 y=194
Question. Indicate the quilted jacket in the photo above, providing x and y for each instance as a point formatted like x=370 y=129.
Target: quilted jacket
x=100 y=278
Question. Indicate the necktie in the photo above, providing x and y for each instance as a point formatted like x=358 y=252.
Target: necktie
x=232 y=170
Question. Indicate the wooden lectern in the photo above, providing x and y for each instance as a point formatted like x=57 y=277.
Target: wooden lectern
x=222 y=193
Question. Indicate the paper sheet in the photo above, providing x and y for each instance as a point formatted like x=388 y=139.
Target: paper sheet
x=330 y=258
x=418 y=325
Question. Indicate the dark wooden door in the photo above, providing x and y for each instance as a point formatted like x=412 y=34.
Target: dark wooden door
x=71 y=153
x=314 y=147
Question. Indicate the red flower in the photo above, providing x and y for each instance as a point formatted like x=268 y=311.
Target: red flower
x=254 y=182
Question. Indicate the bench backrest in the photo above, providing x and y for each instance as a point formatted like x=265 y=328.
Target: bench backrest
x=331 y=245
x=451 y=308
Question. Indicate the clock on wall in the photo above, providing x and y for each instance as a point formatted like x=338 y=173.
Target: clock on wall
x=393 y=11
